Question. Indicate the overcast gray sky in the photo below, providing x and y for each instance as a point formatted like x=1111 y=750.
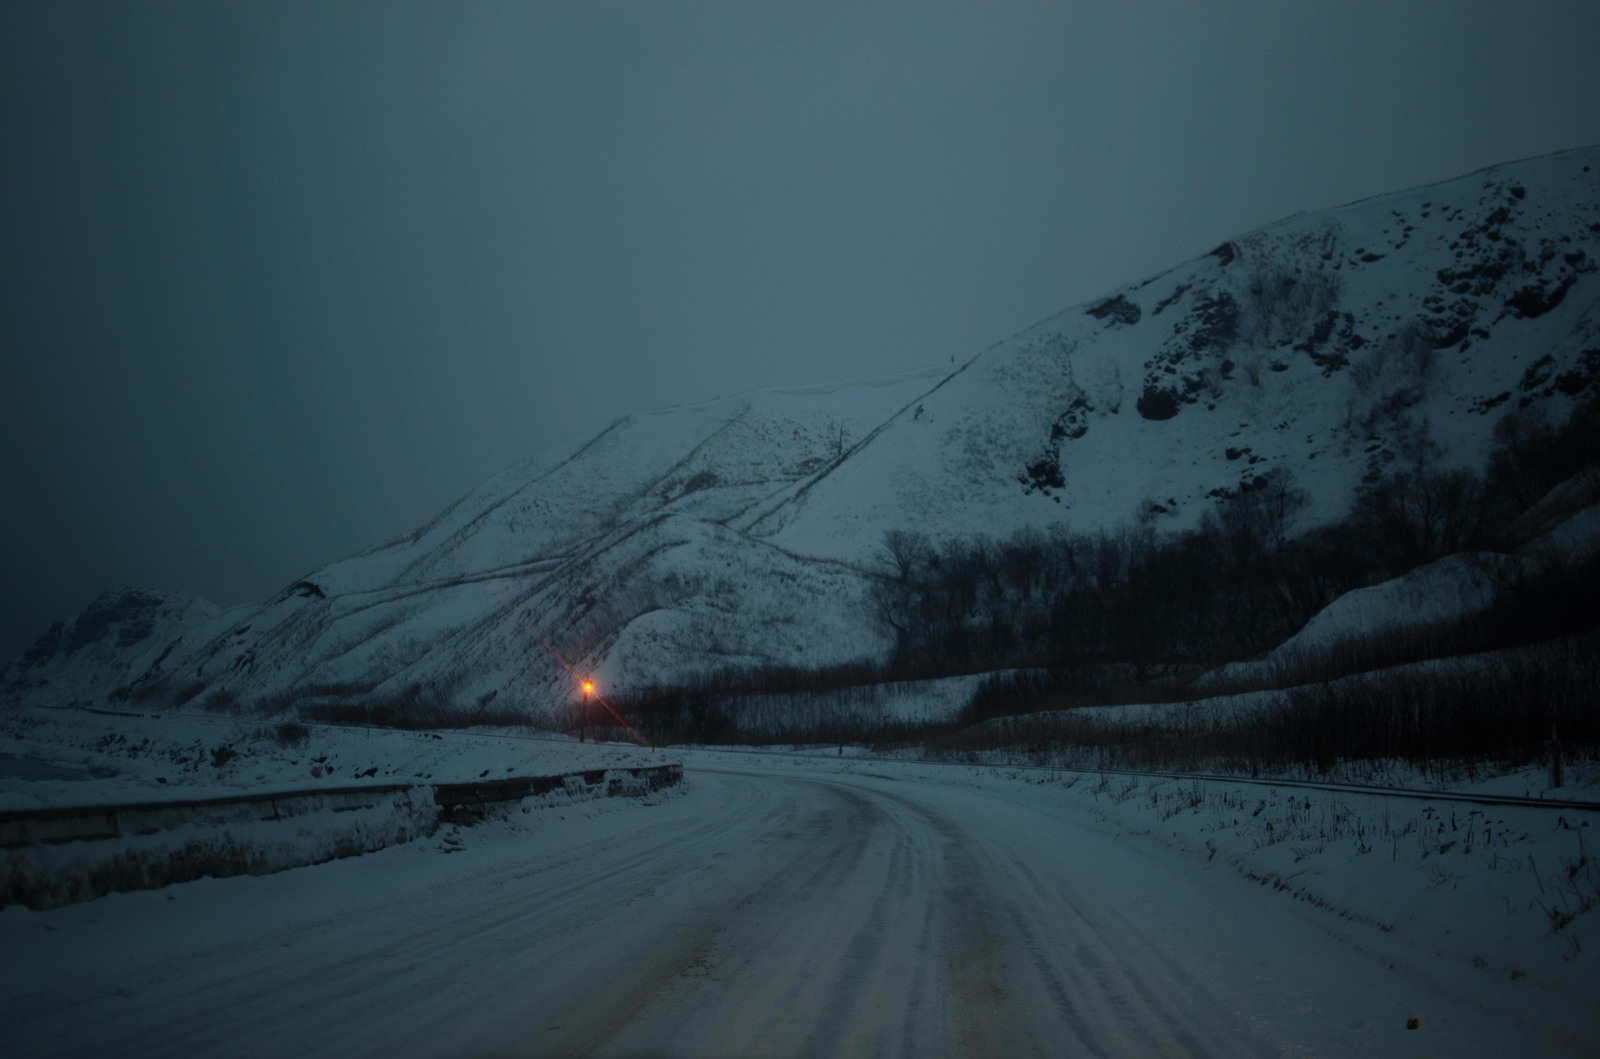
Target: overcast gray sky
x=282 y=280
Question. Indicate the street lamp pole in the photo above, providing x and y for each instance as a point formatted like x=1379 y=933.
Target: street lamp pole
x=583 y=729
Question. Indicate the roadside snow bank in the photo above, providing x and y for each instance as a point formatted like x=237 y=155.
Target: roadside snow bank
x=95 y=801
x=53 y=859
x=139 y=757
x=1497 y=891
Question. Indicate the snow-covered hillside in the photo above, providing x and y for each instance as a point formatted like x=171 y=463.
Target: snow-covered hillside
x=747 y=530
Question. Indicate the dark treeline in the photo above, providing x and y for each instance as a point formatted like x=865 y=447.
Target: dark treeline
x=1069 y=620
x=1099 y=619
x=776 y=704
x=1530 y=605
x=1508 y=709
x=1133 y=599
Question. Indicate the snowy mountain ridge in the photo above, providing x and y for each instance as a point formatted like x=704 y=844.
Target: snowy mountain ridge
x=747 y=530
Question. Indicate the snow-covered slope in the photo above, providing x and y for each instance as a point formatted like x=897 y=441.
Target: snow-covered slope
x=746 y=530
x=85 y=658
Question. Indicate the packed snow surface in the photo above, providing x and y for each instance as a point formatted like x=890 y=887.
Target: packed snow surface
x=794 y=905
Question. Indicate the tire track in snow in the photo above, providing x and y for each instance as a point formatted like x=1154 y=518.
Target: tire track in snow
x=755 y=913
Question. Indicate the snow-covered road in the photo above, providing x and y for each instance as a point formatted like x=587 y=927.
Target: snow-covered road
x=801 y=910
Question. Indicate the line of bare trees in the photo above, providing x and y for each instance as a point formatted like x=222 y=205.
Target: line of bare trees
x=1507 y=709
x=1136 y=604
x=1229 y=588
x=1066 y=619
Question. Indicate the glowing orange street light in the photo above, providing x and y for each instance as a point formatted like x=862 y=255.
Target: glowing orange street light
x=588 y=686
x=583 y=721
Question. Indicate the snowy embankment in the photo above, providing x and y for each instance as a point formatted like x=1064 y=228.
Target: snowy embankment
x=1507 y=890
x=1499 y=897
x=1453 y=589
x=54 y=858
x=96 y=802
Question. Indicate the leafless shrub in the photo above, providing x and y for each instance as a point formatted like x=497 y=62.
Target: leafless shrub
x=1282 y=304
x=1394 y=375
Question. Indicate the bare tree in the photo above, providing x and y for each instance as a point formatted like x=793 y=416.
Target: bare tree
x=905 y=552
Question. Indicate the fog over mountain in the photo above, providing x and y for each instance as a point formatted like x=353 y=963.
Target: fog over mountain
x=750 y=531
x=282 y=280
